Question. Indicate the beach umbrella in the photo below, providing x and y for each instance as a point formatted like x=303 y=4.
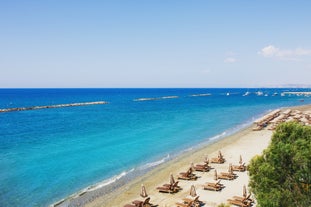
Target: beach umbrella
x=230 y=169
x=206 y=160
x=192 y=166
x=215 y=175
x=241 y=161
x=219 y=154
x=190 y=170
x=172 y=180
x=244 y=191
x=193 y=192
x=143 y=192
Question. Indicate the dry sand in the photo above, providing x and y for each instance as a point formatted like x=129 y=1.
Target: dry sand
x=246 y=143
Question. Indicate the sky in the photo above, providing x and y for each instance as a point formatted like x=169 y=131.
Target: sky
x=154 y=43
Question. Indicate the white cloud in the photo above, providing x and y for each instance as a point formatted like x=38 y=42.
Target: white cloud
x=230 y=60
x=288 y=54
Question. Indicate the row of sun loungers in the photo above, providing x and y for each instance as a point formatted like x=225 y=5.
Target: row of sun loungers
x=263 y=122
x=276 y=117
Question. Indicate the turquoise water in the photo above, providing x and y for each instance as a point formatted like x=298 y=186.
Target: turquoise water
x=49 y=154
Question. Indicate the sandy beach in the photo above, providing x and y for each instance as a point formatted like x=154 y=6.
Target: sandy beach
x=246 y=143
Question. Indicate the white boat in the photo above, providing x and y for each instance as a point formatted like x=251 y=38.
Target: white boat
x=246 y=93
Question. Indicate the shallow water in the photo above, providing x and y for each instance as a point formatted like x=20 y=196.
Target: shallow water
x=48 y=154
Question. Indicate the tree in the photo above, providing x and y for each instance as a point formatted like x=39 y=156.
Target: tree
x=282 y=175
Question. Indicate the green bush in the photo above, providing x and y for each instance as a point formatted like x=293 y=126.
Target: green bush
x=282 y=175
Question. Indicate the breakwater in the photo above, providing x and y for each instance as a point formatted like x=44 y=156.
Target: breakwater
x=52 y=106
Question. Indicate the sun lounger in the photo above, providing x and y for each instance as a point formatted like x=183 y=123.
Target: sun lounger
x=229 y=174
x=130 y=205
x=217 y=160
x=175 y=185
x=202 y=167
x=244 y=199
x=184 y=204
x=195 y=201
x=240 y=168
x=168 y=188
x=226 y=177
x=187 y=175
x=237 y=203
x=164 y=189
x=184 y=177
x=142 y=203
x=212 y=188
x=215 y=183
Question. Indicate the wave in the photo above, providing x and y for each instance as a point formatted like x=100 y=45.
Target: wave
x=168 y=97
x=109 y=181
x=153 y=164
x=146 y=99
x=91 y=188
x=155 y=98
x=202 y=94
x=218 y=136
x=108 y=184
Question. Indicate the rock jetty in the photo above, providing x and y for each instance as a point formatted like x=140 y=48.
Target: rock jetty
x=52 y=106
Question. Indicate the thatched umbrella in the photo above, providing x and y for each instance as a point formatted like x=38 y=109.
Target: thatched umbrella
x=206 y=161
x=230 y=169
x=244 y=191
x=215 y=175
x=193 y=192
x=241 y=161
x=192 y=166
x=219 y=154
x=172 y=180
x=190 y=170
x=143 y=192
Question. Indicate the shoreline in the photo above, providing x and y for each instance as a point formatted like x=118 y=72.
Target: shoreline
x=106 y=189
x=160 y=174
x=232 y=147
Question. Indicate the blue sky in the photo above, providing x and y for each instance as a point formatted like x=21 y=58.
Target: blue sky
x=154 y=43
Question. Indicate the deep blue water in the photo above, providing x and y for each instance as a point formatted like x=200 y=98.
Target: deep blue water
x=48 y=154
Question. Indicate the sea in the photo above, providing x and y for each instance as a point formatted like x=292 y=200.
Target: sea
x=49 y=154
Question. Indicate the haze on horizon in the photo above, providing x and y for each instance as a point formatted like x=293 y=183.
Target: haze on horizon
x=119 y=43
